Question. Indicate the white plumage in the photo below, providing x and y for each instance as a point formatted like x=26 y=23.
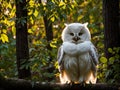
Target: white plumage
x=77 y=56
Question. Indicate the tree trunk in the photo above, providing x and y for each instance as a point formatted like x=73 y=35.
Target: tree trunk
x=49 y=36
x=111 y=36
x=49 y=32
x=111 y=25
x=22 y=49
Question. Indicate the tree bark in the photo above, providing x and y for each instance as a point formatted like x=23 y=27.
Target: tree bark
x=111 y=34
x=22 y=49
x=111 y=25
x=49 y=37
x=49 y=32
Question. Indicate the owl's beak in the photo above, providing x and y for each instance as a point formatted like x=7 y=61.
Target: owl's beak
x=76 y=39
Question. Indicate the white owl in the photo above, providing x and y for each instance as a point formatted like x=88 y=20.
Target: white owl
x=77 y=56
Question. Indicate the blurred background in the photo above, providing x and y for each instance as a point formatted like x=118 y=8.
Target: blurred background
x=45 y=22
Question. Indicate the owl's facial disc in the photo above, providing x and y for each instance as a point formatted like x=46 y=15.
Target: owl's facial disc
x=76 y=37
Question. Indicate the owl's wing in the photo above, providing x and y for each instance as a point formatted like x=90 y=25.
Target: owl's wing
x=93 y=54
x=60 y=56
x=94 y=59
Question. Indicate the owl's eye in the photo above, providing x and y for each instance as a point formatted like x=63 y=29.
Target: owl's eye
x=80 y=33
x=72 y=34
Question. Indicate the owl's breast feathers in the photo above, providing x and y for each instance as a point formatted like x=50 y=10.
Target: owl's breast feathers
x=74 y=49
x=79 y=49
x=86 y=57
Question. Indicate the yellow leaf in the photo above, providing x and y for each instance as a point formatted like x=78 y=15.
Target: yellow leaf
x=52 y=45
x=31 y=3
x=9 y=5
x=30 y=12
x=13 y=30
x=30 y=31
x=4 y=38
x=80 y=17
x=4 y=31
x=53 y=19
x=31 y=20
x=61 y=3
x=36 y=13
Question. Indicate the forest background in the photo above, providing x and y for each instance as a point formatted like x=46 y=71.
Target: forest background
x=45 y=22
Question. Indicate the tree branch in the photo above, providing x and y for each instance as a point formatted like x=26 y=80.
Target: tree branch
x=19 y=84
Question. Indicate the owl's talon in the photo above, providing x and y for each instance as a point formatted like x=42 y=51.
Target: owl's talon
x=72 y=83
x=66 y=82
x=90 y=82
x=83 y=83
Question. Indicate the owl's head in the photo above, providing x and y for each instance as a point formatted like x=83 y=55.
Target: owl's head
x=76 y=33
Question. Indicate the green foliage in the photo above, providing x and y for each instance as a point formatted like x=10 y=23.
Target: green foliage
x=7 y=59
x=40 y=62
x=109 y=68
x=113 y=72
x=103 y=60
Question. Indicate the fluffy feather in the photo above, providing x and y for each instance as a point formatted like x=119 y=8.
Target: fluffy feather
x=77 y=56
